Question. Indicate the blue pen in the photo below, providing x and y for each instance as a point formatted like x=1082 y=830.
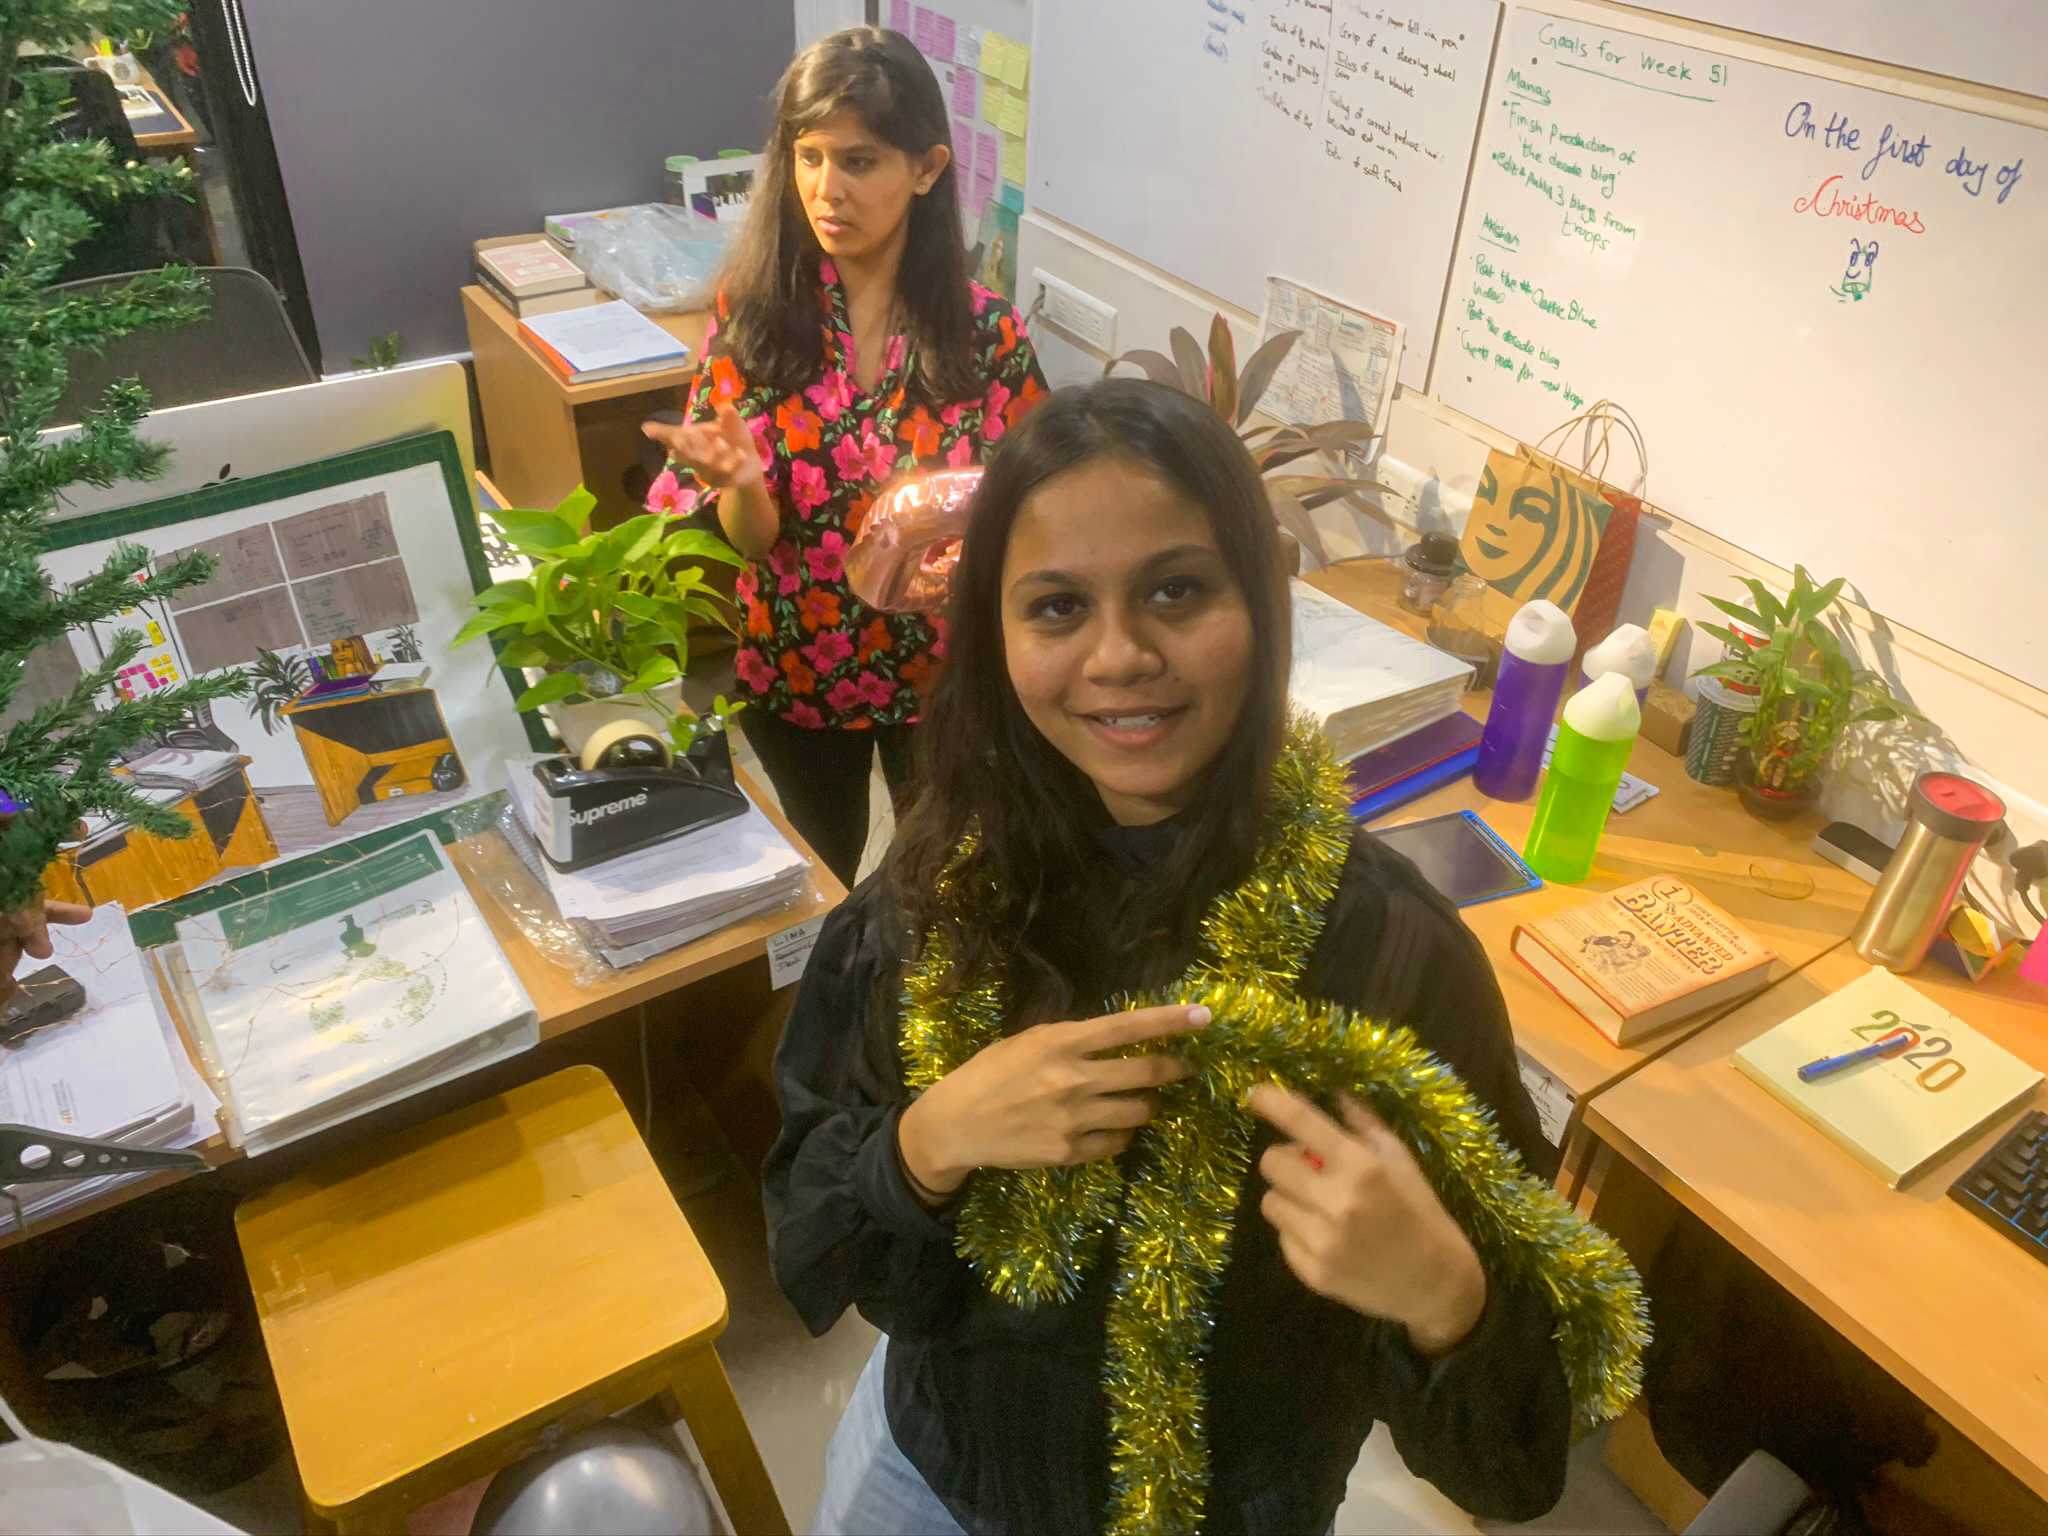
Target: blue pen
x=1893 y=1043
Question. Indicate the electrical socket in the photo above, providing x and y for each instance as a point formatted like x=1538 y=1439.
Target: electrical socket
x=1081 y=315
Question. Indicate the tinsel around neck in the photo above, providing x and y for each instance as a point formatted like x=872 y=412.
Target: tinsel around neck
x=1033 y=1235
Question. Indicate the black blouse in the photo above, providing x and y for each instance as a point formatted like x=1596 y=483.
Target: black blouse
x=1001 y=1409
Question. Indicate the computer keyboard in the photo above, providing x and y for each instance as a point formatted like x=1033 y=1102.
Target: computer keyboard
x=2008 y=1186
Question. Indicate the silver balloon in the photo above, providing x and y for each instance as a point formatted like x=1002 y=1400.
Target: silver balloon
x=612 y=1478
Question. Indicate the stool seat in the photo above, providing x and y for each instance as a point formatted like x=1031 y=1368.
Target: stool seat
x=509 y=1272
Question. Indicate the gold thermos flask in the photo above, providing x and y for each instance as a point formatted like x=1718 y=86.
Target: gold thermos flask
x=1949 y=819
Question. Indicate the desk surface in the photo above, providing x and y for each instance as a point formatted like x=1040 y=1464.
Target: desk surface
x=1928 y=1291
x=562 y=1001
x=182 y=137
x=484 y=310
x=1765 y=874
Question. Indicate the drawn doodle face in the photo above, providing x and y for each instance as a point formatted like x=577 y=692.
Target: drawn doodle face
x=1862 y=257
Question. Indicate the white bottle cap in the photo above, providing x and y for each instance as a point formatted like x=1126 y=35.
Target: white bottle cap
x=1541 y=633
x=1629 y=651
x=1605 y=709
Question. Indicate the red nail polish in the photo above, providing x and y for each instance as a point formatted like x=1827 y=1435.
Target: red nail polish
x=1313 y=1161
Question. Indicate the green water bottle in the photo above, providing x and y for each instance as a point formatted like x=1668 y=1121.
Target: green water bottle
x=1593 y=743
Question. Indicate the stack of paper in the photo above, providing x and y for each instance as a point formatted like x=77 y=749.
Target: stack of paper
x=1367 y=683
x=664 y=895
x=603 y=341
x=335 y=995
x=114 y=1072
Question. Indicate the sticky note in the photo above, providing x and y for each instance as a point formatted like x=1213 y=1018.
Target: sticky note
x=1013 y=159
x=994 y=47
x=963 y=152
x=1017 y=65
x=899 y=16
x=924 y=29
x=966 y=91
x=1016 y=114
x=1013 y=197
x=942 y=36
x=967 y=46
x=988 y=164
x=993 y=94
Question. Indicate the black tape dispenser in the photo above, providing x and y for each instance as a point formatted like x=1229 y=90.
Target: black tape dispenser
x=627 y=789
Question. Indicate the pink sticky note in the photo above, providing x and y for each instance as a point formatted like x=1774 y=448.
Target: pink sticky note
x=899 y=16
x=942 y=36
x=963 y=153
x=2035 y=967
x=923 y=29
x=988 y=163
x=966 y=91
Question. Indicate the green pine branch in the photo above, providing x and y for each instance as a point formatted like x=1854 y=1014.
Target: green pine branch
x=58 y=762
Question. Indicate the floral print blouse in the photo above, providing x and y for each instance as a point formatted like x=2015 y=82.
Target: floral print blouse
x=810 y=651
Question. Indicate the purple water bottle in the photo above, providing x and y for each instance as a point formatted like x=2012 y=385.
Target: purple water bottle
x=1533 y=665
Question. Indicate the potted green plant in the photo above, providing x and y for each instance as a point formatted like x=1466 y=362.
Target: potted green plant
x=1214 y=379
x=605 y=616
x=1808 y=692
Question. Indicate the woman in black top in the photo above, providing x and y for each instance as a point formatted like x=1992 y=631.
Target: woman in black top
x=1107 y=728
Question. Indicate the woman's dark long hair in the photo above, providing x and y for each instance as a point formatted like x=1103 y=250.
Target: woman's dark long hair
x=771 y=279
x=983 y=764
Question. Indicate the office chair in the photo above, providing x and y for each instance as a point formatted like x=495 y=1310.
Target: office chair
x=243 y=346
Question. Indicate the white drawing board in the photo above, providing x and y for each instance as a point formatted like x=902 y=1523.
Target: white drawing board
x=1325 y=139
x=1818 y=300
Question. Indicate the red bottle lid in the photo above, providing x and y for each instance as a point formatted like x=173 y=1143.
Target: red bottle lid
x=1955 y=807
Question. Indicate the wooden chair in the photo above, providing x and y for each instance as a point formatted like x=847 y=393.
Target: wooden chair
x=491 y=1281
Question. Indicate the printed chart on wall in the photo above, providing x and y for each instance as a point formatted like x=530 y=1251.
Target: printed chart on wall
x=337 y=587
x=1329 y=139
x=1820 y=302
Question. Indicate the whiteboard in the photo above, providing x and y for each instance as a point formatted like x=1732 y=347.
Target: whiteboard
x=1224 y=140
x=1994 y=42
x=1682 y=232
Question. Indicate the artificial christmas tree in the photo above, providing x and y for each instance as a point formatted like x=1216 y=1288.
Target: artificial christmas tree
x=57 y=761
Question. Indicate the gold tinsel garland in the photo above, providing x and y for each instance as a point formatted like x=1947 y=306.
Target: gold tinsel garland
x=1033 y=1234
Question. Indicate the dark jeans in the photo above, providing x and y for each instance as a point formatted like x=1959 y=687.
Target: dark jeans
x=822 y=779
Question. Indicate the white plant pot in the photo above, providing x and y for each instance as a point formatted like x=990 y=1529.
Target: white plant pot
x=577 y=723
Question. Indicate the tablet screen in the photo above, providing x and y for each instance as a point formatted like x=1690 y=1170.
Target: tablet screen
x=1462 y=857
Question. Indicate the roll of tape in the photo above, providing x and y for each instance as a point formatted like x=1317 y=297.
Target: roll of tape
x=616 y=733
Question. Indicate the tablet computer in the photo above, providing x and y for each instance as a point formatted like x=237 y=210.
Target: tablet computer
x=1462 y=857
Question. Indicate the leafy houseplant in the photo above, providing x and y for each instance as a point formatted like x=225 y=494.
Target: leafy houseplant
x=276 y=680
x=1808 y=692
x=57 y=761
x=1213 y=378
x=606 y=615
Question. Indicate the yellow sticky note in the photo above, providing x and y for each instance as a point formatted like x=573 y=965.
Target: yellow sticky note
x=992 y=94
x=994 y=48
x=1016 y=115
x=1017 y=65
x=1013 y=159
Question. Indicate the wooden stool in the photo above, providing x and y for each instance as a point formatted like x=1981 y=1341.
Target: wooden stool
x=501 y=1276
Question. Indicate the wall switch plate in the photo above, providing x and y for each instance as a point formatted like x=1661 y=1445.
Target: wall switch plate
x=1081 y=315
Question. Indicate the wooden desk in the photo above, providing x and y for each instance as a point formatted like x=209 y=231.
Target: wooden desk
x=366 y=747
x=715 y=991
x=547 y=437
x=1765 y=874
x=1922 y=1287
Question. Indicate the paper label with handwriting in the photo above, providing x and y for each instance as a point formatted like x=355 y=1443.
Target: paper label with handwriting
x=790 y=951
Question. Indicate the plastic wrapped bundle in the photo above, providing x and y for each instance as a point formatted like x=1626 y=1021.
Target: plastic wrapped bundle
x=903 y=560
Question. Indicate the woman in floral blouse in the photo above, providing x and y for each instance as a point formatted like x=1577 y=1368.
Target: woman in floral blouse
x=848 y=347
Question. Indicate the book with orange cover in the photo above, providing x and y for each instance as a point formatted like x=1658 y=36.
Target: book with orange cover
x=1644 y=957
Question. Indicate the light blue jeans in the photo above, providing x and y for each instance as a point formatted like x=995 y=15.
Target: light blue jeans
x=870 y=1486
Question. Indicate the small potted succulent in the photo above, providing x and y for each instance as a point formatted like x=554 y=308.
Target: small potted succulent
x=1807 y=688
x=605 y=617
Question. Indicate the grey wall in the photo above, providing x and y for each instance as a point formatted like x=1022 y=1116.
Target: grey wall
x=407 y=129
